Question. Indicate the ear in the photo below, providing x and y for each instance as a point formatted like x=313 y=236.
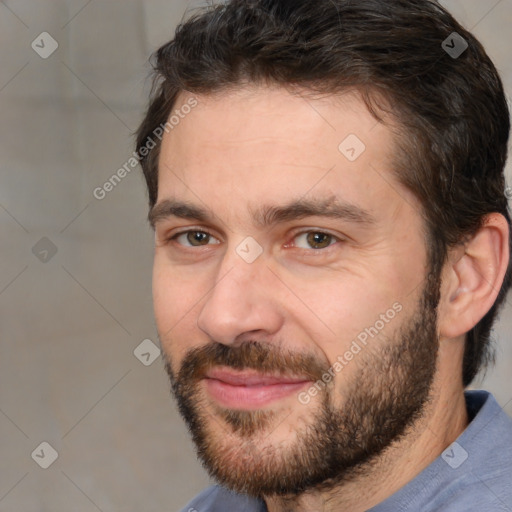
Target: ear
x=473 y=276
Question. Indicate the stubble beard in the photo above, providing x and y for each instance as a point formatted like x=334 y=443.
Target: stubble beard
x=331 y=443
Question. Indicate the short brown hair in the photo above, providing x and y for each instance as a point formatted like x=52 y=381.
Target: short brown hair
x=452 y=111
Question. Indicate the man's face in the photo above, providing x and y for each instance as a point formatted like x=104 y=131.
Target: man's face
x=289 y=288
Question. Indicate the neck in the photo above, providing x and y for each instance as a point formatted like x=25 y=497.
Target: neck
x=443 y=420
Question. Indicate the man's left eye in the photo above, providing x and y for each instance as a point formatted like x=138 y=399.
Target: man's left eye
x=314 y=240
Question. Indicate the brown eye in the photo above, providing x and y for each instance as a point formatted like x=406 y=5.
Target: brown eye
x=198 y=238
x=314 y=240
x=319 y=240
x=194 y=238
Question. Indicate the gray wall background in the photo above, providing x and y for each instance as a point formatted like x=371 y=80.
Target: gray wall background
x=75 y=271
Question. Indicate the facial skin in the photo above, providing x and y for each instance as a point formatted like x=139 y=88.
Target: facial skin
x=333 y=441
x=243 y=340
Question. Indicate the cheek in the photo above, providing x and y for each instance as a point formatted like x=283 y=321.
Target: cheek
x=171 y=321
x=177 y=299
x=163 y=298
x=351 y=318
x=337 y=310
x=172 y=300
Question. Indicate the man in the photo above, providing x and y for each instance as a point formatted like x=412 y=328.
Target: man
x=331 y=249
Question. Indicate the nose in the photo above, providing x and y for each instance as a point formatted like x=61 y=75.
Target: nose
x=241 y=304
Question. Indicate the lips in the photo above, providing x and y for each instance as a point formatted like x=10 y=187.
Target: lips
x=248 y=389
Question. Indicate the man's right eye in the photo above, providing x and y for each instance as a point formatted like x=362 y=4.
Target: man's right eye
x=194 y=238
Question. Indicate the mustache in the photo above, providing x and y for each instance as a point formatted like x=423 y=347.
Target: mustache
x=262 y=357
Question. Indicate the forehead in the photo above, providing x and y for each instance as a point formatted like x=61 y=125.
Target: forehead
x=244 y=114
x=265 y=144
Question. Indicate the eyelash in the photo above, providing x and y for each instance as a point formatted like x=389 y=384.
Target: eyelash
x=174 y=236
x=336 y=239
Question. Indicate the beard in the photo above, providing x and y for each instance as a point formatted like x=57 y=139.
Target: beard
x=329 y=444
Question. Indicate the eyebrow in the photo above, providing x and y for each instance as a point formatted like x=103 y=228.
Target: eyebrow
x=267 y=216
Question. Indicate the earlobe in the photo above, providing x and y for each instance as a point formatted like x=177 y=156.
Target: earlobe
x=473 y=278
